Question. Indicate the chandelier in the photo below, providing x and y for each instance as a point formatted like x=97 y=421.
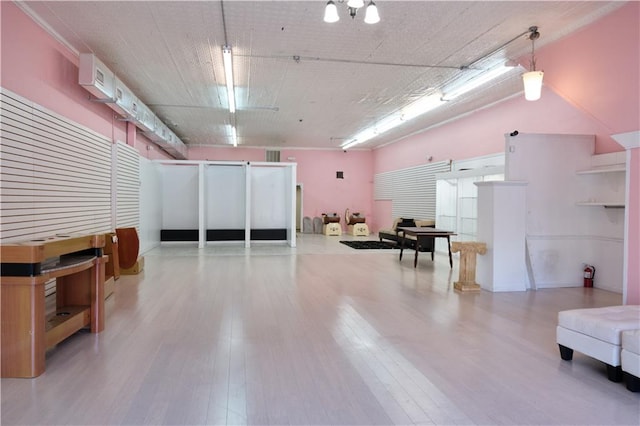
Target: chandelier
x=371 y=13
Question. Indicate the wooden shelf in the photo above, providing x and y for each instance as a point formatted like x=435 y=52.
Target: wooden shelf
x=64 y=322
x=63 y=266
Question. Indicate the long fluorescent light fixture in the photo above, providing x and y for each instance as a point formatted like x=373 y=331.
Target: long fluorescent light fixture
x=228 y=75
x=476 y=82
x=234 y=135
x=423 y=105
x=411 y=111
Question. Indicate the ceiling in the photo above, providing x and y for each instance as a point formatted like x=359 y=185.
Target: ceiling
x=301 y=82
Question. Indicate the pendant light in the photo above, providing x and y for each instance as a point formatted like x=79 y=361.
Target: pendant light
x=533 y=79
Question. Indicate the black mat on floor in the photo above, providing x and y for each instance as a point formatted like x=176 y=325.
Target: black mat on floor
x=370 y=245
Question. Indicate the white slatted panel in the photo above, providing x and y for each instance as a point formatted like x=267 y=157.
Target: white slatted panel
x=127 y=186
x=55 y=175
x=383 y=186
x=412 y=190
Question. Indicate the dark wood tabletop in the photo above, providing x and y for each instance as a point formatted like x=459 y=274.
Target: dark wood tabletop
x=421 y=232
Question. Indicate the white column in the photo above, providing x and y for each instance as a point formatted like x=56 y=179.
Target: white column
x=502 y=226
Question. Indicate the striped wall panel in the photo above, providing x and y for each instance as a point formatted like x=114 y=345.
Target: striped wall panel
x=55 y=175
x=412 y=190
x=127 y=182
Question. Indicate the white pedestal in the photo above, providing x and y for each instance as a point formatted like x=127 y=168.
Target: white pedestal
x=502 y=226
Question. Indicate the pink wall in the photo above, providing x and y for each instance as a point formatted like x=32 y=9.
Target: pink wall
x=597 y=69
x=633 y=233
x=323 y=192
x=227 y=154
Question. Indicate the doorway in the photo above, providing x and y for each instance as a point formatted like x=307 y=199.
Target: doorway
x=298 y=207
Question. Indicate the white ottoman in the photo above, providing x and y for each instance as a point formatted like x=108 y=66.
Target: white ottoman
x=630 y=359
x=597 y=332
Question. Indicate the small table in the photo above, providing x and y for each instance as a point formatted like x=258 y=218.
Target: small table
x=422 y=233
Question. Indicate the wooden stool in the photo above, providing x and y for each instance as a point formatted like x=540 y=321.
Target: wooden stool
x=467 y=274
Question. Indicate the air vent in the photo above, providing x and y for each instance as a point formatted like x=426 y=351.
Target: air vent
x=94 y=76
x=99 y=77
x=273 y=156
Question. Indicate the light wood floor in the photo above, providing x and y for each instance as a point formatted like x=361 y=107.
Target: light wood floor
x=323 y=334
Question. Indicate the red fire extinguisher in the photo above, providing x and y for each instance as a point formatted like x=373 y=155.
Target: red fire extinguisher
x=589 y=273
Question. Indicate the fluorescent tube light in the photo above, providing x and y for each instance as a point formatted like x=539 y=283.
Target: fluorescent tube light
x=476 y=82
x=228 y=74
x=421 y=106
x=351 y=144
x=233 y=134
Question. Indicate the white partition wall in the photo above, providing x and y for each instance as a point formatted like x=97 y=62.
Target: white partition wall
x=208 y=201
x=150 y=205
x=272 y=202
x=180 y=201
x=291 y=202
x=225 y=201
x=572 y=219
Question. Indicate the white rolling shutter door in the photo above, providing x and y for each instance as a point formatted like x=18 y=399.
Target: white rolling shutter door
x=127 y=186
x=55 y=174
x=412 y=190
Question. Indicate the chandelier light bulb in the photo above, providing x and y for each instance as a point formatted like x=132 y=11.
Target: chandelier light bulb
x=371 y=15
x=356 y=4
x=331 y=12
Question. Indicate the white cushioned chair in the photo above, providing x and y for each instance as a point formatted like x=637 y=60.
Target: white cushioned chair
x=597 y=332
x=630 y=359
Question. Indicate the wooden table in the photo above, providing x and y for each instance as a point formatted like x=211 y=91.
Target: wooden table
x=77 y=263
x=421 y=233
